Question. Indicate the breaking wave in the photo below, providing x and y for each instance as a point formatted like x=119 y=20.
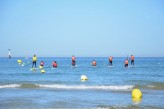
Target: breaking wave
x=70 y=87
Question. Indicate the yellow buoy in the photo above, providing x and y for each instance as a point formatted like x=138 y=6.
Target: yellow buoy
x=136 y=100
x=84 y=78
x=19 y=61
x=42 y=71
x=40 y=67
x=136 y=93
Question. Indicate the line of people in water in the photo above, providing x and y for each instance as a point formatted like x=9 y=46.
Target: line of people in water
x=55 y=65
x=34 y=60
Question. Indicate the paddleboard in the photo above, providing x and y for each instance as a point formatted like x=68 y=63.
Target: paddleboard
x=110 y=66
x=73 y=66
x=94 y=66
x=23 y=64
x=131 y=66
x=53 y=68
x=33 y=68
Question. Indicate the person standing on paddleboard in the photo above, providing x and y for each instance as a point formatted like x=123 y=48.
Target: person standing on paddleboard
x=73 y=60
x=34 y=59
x=132 y=60
x=110 y=60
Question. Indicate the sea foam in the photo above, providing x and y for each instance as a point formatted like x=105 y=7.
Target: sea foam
x=10 y=86
x=70 y=87
x=83 y=87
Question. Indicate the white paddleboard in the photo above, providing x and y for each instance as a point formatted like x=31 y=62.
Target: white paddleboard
x=53 y=68
x=110 y=66
x=33 y=68
x=73 y=66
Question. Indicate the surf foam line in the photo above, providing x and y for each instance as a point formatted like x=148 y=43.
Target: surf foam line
x=71 y=87
x=83 y=87
x=10 y=86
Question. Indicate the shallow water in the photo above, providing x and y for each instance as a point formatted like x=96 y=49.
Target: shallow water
x=106 y=87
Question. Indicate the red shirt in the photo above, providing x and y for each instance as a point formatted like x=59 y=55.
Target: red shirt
x=126 y=61
x=42 y=63
x=73 y=58
x=132 y=57
x=54 y=64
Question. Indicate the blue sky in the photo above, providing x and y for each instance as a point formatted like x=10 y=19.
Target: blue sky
x=82 y=27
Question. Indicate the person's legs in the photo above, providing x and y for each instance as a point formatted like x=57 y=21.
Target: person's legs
x=32 y=64
x=111 y=63
x=35 y=64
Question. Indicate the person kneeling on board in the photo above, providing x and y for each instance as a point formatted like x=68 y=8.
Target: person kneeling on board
x=73 y=61
x=54 y=64
x=41 y=64
x=126 y=63
x=110 y=60
x=94 y=63
x=132 y=60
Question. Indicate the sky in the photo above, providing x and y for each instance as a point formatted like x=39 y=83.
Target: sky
x=98 y=28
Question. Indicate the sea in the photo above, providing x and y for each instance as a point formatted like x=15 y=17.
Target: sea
x=106 y=88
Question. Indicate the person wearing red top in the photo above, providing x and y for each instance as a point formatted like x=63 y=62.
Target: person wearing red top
x=110 y=60
x=41 y=63
x=126 y=63
x=94 y=63
x=73 y=60
x=54 y=64
x=132 y=60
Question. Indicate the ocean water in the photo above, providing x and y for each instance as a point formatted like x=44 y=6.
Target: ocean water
x=106 y=87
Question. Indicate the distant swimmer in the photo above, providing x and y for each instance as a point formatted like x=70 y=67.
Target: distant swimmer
x=9 y=53
x=110 y=60
x=73 y=61
x=126 y=63
x=54 y=64
x=94 y=63
x=34 y=59
x=42 y=63
x=132 y=60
